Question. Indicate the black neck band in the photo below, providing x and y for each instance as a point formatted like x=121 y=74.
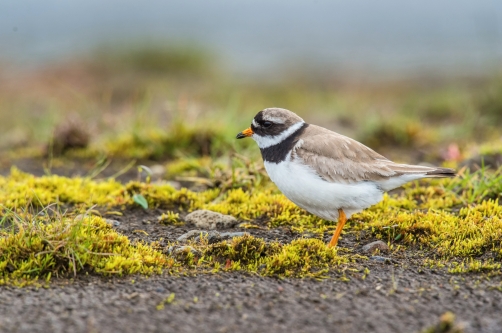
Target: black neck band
x=278 y=152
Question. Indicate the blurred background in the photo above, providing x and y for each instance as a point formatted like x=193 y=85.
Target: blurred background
x=160 y=81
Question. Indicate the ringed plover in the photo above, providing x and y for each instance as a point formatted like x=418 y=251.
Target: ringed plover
x=326 y=173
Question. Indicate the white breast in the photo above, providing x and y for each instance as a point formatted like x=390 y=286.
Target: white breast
x=301 y=185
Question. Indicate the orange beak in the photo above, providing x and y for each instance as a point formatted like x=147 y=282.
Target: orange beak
x=244 y=134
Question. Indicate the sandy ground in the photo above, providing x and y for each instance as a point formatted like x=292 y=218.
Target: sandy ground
x=234 y=302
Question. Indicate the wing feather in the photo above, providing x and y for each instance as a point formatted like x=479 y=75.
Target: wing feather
x=340 y=159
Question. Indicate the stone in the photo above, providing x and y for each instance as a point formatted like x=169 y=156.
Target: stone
x=230 y=235
x=212 y=237
x=380 y=259
x=176 y=250
x=206 y=219
x=376 y=246
x=158 y=171
x=309 y=235
x=182 y=253
x=191 y=235
x=114 y=223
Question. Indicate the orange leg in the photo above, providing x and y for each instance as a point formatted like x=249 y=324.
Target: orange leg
x=341 y=222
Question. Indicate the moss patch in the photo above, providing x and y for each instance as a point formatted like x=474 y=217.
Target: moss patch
x=41 y=247
x=300 y=258
x=459 y=221
x=164 y=143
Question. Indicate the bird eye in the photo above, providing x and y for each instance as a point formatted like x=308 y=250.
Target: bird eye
x=266 y=124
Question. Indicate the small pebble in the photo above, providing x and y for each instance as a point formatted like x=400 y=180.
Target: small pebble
x=212 y=237
x=114 y=223
x=206 y=219
x=380 y=259
x=230 y=235
x=374 y=246
x=181 y=249
x=190 y=235
x=157 y=170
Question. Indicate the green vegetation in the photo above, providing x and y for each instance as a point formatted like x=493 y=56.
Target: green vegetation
x=39 y=246
x=176 y=102
x=458 y=220
x=446 y=324
x=176 y=108
x=153 y=60
x=300 y=258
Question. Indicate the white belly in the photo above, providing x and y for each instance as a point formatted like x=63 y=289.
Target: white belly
x=301 y=185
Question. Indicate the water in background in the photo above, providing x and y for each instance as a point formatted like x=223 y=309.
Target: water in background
x=382 y=36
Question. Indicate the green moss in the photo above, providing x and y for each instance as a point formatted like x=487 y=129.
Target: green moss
x=161 y=143
x=475 y=266
x=471 y=231
x=170 y=218
x=247 y=250
x=446 y=324
x=491 y=148
x=300 y=258
x=21 y=189
x=41 y=247
x=457 y=219
x=304 y=257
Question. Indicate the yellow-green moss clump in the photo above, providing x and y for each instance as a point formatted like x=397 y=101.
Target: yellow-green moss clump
x=159 y=143
x=457 y=219
x=39 y=247
x=300 y=258
x=446 y=324
x=21 y=189
x=471 y=231
x=170 y=218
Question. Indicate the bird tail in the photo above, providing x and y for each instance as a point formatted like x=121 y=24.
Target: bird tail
x=425 y=171
x=441 y=173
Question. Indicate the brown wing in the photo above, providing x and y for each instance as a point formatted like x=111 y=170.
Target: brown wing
x=337 y=158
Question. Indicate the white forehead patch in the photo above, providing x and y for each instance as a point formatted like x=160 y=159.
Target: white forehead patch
x=255 y=124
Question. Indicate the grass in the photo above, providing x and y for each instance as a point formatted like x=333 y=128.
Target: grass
x=154 y=60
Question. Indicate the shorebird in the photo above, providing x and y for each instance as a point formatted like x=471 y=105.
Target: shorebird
x=327 y=174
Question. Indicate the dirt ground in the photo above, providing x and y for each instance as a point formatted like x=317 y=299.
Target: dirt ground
x=397 y=296
x=242 y=303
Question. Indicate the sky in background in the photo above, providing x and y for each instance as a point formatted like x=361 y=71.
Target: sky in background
x=380 y=36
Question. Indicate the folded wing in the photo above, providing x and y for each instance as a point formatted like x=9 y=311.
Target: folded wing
x=340 y=159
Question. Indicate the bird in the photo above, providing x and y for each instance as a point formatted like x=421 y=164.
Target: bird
x=326 y=173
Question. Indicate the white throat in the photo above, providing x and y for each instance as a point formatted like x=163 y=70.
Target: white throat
x=268 y=141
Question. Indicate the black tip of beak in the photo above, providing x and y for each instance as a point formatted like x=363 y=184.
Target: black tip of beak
x=240 y=136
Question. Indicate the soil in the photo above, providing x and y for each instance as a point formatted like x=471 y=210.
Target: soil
x=398 y=295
